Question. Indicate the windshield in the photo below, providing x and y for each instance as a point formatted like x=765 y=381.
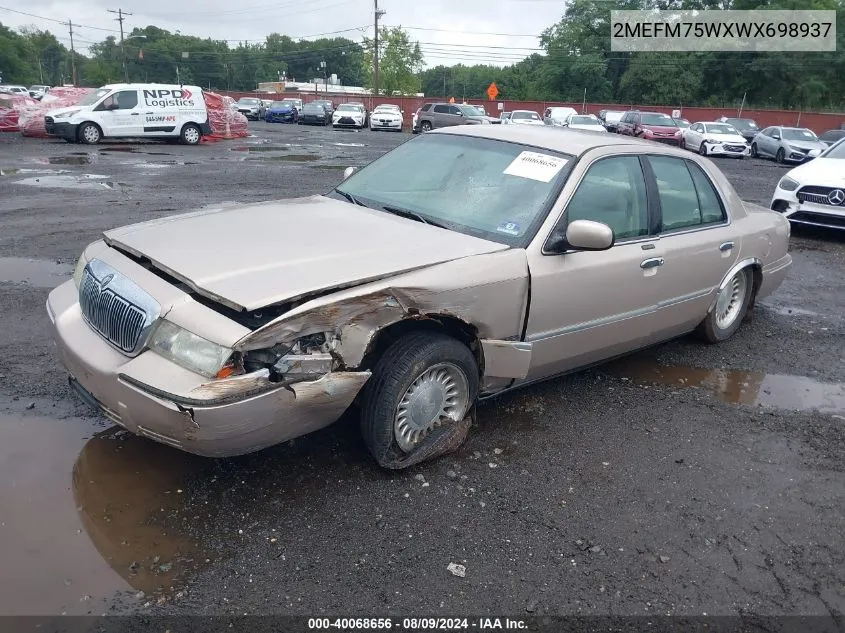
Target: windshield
x=470 y=110
x=249 y=101
x=681 y=122
x=658 y=119
x=794 y=134
x=583 y=120
x=492 y=189
x=560 y=113
x=720 y=128
x=532 y=116
x=345 y=107
x=279 y=104
x=386 y=110
x=743 y=124
x=836 y=151
x=94 y=97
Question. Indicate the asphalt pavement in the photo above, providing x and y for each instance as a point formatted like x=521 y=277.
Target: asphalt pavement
x=687 y=479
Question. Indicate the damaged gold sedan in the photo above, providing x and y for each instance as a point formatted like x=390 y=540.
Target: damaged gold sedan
x=464 y=263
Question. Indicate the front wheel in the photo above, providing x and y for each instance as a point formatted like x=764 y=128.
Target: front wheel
x=702 y=149
x=191 y=134
x=425 y=126
x=731 y=308
x=780 y=156
x=754 y=153
x=90 y=133
x=418 y=403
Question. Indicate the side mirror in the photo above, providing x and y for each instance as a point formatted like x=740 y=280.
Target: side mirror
x=348 y=172
x=776 y=137
x=583 y=235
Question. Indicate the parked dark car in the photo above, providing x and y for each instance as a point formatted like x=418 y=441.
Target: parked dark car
x=327 y=104
x=652 y=126
x=748 y=128
x=831 y=136
x=315 y=113
x=281 y=112
x=610 y=119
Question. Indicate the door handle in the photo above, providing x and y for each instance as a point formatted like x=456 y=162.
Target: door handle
x=654 y=262
x=726 y=246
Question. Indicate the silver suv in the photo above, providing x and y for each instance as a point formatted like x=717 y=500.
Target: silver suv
x=436 y=115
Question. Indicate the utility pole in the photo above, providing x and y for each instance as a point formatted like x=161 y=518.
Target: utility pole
x=378 y=14
x=72 y=54
x=121 y=15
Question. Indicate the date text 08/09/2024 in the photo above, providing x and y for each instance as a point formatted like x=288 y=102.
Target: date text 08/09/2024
x=416 y=624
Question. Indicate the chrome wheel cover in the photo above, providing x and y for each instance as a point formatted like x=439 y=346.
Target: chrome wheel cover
x=730 y=300
x=192 y=135
x=91 y=134
x=440 y=394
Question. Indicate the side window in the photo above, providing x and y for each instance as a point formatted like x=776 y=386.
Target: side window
x=613 y=192
x=426 y=107
x=769 y=131
x=709 y=202
x=680 y=204
x=454 y=110
x=126 y=99
x=107 y=103
x=441 y=109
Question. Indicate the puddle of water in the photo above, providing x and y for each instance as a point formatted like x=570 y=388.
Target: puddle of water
x=34 y=272
x=778 y=391
x=120 y=148
x=84 y=519
x=259 y=148
x=289 y=158
x=84 y=159
x=85 y=181
x=8 y=172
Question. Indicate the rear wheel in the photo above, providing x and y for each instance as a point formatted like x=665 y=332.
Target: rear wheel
x=90 y=133
x=191 y=134
x=418 y=404
x=731 y=308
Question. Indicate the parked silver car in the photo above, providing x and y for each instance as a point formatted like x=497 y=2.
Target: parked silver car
x=787 y=144
x=416 y=303
x=251 y=108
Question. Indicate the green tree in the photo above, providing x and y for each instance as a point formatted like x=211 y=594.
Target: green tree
x=400 y=62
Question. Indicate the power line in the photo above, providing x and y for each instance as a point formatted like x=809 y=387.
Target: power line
x=421 y=28
x=120 y=18
x=42 y=17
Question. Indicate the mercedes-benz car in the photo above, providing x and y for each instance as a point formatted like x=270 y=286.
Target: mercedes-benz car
x=464 y=263
x=814 y=193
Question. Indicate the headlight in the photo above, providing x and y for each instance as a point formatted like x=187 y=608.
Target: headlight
x=787 y=184
x=814 y=152
x=65 y=115
x=81 y=263
x=188 y=350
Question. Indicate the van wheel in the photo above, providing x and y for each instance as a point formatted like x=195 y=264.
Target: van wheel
x=90 y=133
x=425 y=126
x=419 y=401
x=190 y=135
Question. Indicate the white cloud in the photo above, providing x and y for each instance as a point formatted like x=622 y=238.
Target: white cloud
x=449 y=31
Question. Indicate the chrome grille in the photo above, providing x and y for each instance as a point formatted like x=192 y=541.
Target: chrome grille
x=116 y=319
x=735 y=148
x=817 y=195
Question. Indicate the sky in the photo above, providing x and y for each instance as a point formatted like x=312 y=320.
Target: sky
x=449 y=31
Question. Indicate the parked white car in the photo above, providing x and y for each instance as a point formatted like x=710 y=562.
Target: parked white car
x=386 y=117
x=349 y=115
x=584 y=122
x=557 y=115
x=814 y=193
x=715 y=139
x=20 y=91
x=525 y=117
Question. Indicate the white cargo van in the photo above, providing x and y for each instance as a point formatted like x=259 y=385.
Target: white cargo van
x=135 y=111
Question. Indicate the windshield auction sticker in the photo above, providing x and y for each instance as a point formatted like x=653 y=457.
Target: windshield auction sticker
x=535 y=166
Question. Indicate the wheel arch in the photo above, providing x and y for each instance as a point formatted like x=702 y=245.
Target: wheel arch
x=756 y=266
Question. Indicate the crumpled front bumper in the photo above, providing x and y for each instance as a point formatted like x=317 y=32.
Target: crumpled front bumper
x=206 y=417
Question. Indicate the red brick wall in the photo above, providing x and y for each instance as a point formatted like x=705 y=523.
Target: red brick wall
x=817 y=121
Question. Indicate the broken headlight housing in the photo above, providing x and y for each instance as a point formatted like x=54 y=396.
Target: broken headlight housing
x=188 y=350
x=306 y=358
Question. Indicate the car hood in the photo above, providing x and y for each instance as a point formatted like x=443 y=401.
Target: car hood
x=527 y=122
x=661 y=129
x=806 y=144
x=727 y=138
x=825 y=172
x=386 y=115
x=257 y=255
x=58 y=111
x=584 y=126
x=281 y=109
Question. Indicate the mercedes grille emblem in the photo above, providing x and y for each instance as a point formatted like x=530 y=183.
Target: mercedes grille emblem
x=106 y=280
x=837 y=197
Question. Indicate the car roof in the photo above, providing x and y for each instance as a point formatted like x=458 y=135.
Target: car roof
x=574 y=142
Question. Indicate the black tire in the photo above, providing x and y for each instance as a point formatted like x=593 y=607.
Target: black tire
x=398 y=367
x=682 y=144
x=709 y=329
x=425 y=126
x=779 y=157
x=702 y=149
x=89 y=133
x=190 y=135
x=754 y=153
